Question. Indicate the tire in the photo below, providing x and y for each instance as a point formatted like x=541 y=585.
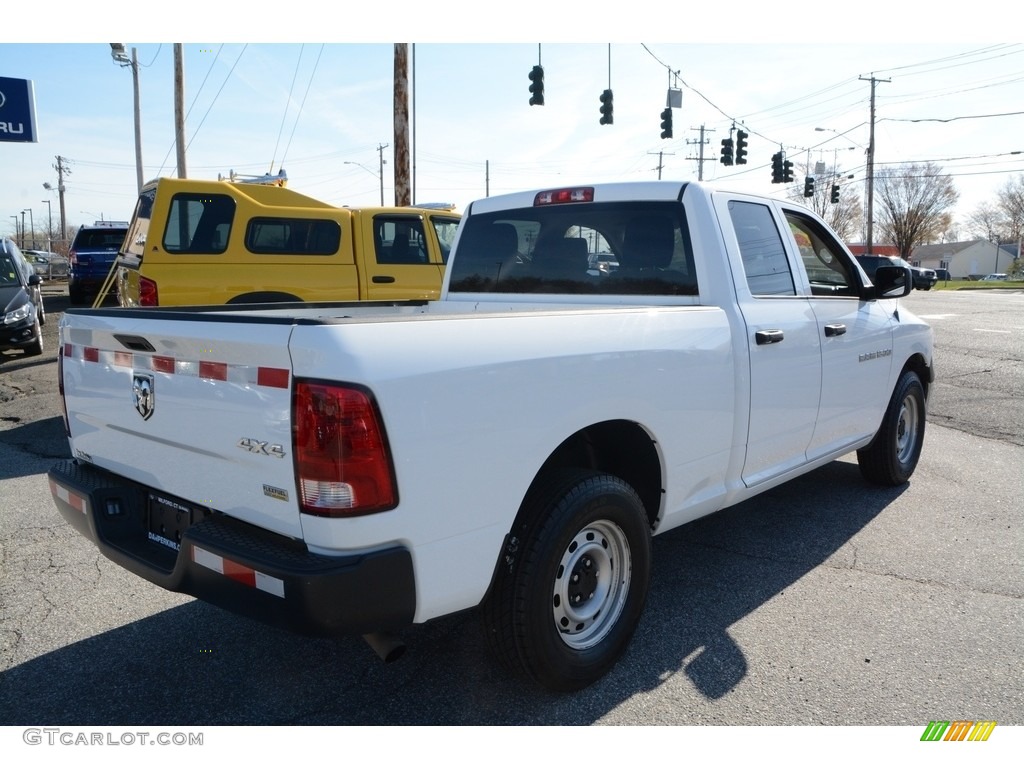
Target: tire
x=890 y=459
x=36 y=347
x=573 y=583
x=42 y=313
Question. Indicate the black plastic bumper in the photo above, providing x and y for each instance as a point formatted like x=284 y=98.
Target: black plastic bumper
x=237 y=566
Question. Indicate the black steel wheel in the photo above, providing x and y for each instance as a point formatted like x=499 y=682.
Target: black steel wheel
x=891 y=458
x=574 y=580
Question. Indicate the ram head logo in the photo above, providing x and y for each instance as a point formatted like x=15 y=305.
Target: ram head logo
x=143 y=394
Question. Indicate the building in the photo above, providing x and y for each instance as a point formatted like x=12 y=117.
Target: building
x=973 y=259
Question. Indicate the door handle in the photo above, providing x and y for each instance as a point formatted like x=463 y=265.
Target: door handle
x=383 y=279
x=768 y=337
x=835 y=329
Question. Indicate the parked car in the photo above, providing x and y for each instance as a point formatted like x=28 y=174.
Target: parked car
x=21 y=302
x=995 y=276
x=943 y=274
x=93 y=252
x=47 y=264
x=872 y=263
x=924 y=279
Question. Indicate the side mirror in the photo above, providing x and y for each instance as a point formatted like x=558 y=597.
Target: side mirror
x=892 y=282
x=34 y=279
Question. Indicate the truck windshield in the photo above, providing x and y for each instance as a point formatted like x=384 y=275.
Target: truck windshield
x=590 y=248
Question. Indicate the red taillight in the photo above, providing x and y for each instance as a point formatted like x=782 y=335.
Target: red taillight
x=342 y=460
x=148 y=296
x=72 y=258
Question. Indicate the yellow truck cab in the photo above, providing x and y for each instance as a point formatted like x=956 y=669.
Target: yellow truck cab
x=225 y=242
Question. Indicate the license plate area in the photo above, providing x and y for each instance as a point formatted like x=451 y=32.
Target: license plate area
x=168 y=519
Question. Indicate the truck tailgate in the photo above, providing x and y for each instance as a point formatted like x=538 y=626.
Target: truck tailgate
x=199 y=408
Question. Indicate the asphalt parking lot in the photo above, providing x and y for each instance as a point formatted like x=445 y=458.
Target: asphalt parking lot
x=823 y=602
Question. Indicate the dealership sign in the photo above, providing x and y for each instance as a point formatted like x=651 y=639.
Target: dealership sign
x=17 y=110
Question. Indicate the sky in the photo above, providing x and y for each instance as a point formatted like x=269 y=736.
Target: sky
x=264 y=94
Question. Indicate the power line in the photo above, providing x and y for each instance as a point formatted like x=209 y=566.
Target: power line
x=945 y=119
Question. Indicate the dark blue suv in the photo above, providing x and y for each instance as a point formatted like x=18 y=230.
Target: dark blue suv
x=92 y=254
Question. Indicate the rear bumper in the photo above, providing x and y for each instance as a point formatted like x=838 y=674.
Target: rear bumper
x=231 y=564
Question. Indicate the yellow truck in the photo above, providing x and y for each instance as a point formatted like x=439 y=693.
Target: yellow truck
x=194 y=242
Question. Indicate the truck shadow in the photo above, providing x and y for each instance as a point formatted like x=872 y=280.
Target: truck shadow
x=195 y=664
x=42 y=440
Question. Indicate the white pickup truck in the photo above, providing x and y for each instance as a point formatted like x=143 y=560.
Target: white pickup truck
x=605 y=363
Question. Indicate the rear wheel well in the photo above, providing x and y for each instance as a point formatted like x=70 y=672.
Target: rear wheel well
x=620 y=448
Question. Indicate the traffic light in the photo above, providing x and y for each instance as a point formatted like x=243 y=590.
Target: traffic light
x=808 y=186
x=606 y=107
x=777 y=168
x=537 y=86
x=787 y=172
x=835 y=193
x=666 y=123
x=727 y=151
x=741 y=147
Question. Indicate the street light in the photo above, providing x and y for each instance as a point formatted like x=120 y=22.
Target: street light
x=120 y=58
x=379 y=176
x=49 y=225
x=31 y=223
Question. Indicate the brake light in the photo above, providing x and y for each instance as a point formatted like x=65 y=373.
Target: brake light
x=566 y=195
x=342 y=462
x=148 y=296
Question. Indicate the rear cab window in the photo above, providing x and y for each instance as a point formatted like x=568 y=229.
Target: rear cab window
x=611 y=248
x=291 y=236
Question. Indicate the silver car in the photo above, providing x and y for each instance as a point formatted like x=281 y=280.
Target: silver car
x=47 y=264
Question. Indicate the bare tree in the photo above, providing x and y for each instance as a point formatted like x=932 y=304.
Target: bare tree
x=914 y=204
x=844 y=217
x=1010 y=203
x=989 y=222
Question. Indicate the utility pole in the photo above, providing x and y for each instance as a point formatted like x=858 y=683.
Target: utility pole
x=871 y=166
x=61 y=170
x=660 y=166
x=179 y=108
x=403 y=194
x=700 y=155
x=381 y=161
x=121 y=59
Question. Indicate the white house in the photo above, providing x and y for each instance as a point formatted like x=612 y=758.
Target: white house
x=976 y=258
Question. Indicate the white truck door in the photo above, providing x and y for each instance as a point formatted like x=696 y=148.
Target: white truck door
x=782 y=342
x=856 y=338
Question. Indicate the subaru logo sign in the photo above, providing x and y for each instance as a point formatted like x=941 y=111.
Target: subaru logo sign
x=143 y=394
x=17 y=110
